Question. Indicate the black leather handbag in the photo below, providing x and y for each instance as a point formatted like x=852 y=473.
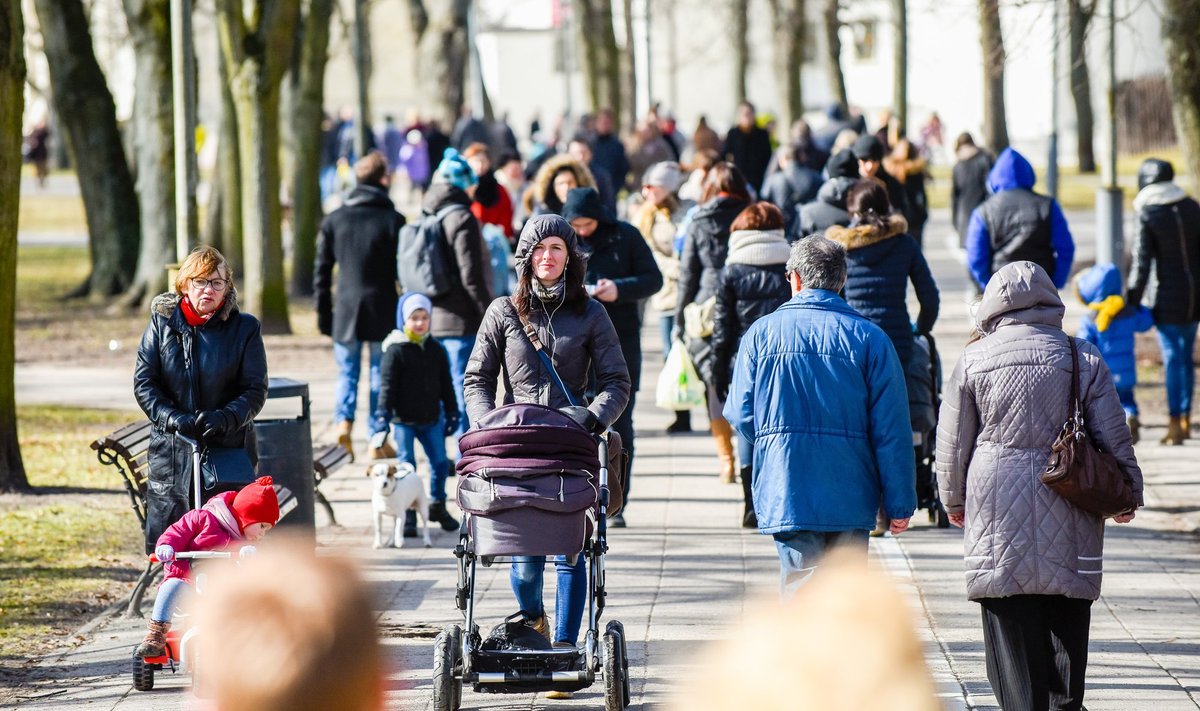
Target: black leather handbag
x=226 y=468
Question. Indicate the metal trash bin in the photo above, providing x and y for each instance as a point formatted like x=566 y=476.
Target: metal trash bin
x=285 y=451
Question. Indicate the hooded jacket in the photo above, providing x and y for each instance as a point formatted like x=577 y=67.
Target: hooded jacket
x=212 y=527
x=880 y=262
x=789 y=188
x=1169 y=240
x=415 y=385
x=220 y=365
x=968 y=186
x=361 y=237
x=819 y=392
x=1114 y=337
x=704 y=250
x=1002 y=409
x=752 y=285
x=1017 y=224
x=459 y=312
x=578 y=339
x=828 y=209
x=540 y=198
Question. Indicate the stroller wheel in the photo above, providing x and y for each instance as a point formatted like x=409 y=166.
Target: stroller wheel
x=143 y=674
x=614 y=670
x=447 y=687
x=619 y=629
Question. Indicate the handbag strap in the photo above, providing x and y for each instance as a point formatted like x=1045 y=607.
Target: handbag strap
x=536 y=342
x=1075 y=408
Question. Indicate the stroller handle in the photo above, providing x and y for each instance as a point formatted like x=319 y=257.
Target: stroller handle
x=195 y=555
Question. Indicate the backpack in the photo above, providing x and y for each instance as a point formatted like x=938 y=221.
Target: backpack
x=422 y=260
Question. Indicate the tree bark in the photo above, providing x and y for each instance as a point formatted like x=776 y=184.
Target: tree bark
x=599 y=54
x=833 y=53
x=629 y=68
x=257 y=46
x=309 y=93
x=12 y=105
x=440 y=27
x=229 y=176
x=87 y=113
x=789 y=23
x=740 y=27
x=991 y=39
x=1079 y=18
x=1180 y=20
x=154 y=145
x=900 y=65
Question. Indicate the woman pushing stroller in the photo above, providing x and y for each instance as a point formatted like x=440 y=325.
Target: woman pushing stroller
x=579 y=339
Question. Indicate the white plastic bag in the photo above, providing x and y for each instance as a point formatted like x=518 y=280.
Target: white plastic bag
x=679 y=386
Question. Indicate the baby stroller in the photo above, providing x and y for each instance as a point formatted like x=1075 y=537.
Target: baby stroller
x=924 y=379
x=531 y=482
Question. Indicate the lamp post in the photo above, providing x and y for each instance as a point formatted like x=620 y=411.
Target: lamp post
x=1052 y=160
x=183 y=90
x=1110 y=241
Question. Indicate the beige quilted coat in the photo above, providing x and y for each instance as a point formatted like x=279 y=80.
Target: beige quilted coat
x=1003 y=407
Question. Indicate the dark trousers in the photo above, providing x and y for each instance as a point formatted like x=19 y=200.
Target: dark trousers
x=1036 y=650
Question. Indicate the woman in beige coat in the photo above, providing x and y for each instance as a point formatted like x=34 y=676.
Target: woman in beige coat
x=1033 y=560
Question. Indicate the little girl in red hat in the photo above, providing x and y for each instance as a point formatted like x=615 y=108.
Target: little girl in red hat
x=227 y=518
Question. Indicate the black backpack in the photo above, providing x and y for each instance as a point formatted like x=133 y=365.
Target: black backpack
x=421 y=257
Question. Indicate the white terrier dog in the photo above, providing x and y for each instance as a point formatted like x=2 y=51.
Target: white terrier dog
x=396 y=489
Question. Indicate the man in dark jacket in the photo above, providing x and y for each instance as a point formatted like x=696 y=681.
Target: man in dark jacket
x=620 y=272
x=1016 y=224
x=791 y=186
x=829 y=208
x=581 y=150
x=607 y=150
x=361 y=237
x=748 y=147
x=969 y=186
x=869 y=151
x=457 y=314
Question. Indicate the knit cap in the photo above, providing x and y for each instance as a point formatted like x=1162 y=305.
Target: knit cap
x=409 y=303
x=868 y=147
x=455 y=170
x=585 y=202
x=842 y=165
x=256 y=503
x=666 y=175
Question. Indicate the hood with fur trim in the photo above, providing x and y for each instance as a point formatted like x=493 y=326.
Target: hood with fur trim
x=864 y=235
x=543 y=181
x=165 y=304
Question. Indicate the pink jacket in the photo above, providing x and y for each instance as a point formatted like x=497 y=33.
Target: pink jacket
x=207 y=529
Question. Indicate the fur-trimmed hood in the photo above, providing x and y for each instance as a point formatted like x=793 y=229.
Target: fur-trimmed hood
x=165 y=304
x=863 y=235
x=542 y=182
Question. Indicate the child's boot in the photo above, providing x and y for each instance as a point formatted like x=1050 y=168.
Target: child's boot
x=1134 y=427
x=439 y=514
x=343 y=437
x=155 y=643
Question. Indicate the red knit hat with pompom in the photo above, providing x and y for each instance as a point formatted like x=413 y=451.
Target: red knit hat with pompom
x=256 y=503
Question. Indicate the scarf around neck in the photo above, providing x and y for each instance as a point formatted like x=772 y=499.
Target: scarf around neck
x=551 y=294
x=192 y=316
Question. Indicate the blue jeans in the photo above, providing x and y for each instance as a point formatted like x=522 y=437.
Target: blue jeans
x=801 y=551
x=526 y=578
x=666 y=323
x=1178 y=341
x=349 y=362
x=745 y=451
x=459 y=349
x=167 y=598
x=1125 y=393
x=433 y=441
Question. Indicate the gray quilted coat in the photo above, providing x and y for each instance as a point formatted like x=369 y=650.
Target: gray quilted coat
x=1003 y=408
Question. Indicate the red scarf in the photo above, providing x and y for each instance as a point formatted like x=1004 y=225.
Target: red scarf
x=193 y=317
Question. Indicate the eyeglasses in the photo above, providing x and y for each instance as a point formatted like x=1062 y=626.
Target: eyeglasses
x=216 y=284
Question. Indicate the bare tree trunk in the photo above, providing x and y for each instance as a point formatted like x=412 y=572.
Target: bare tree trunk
x=309 y=96
x=900 y=65
x=600 y=56
x=12 y=105
x=789 y=22
x=258 y=54
x=1079 y=18
x=87 y=113
x=991 y=39
x=440 y=27
x=154 y=145
x=362 y=64
x=629 y=68
x=740 y=27
x=1180 y=20
x=229 y=175
x=833 y=53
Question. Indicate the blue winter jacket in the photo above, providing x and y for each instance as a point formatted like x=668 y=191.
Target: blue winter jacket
x=818 y=390
x=1012 y=172
x=1116 y=341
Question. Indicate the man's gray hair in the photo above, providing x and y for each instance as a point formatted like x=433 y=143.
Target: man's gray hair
x=820 y=262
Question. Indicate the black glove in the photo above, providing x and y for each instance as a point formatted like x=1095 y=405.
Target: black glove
x=451 y=424
x=184 y=423
x=214 y=424
x=585 y=417
x=325 y=322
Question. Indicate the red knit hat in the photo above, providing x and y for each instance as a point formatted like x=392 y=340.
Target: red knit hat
x=256 y=503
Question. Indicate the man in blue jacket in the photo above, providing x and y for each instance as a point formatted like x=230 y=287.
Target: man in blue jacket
x=819 y=391
x=1016 y=224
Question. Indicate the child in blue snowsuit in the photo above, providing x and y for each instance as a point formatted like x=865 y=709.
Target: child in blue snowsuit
x=1110 y=325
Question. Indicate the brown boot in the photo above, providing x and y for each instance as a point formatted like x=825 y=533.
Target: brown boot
x=542 y=626
x=155 y=643
x=1135 y=427
x=723 y=437
x=343 y=436
x=1186 y=425
x=1174 y=434
x=387 y=451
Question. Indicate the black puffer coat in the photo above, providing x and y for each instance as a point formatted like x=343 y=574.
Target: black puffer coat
x=459 y=312
x=704 y=251
x=880 y=263
x=828 y=209
x=1168 y=239
x=752 y=285
x=220 y=365
x=415 y=386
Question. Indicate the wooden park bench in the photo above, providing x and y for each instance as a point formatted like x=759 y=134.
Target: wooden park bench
x=127 y=450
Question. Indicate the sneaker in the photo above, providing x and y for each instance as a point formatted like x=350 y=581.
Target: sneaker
x=560 y=695
x=617 y=521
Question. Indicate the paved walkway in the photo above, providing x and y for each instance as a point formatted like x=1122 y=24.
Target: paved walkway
x=683 y=572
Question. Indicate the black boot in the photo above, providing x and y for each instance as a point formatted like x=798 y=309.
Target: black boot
x=749 y=519
x=439 y=514
x=410 y=524
x=682 y=423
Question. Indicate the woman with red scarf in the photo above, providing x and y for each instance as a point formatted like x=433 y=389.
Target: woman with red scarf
x=202 y=373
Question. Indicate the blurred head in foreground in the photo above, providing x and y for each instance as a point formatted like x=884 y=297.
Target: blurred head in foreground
x=288 y=630
x=846 y=642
